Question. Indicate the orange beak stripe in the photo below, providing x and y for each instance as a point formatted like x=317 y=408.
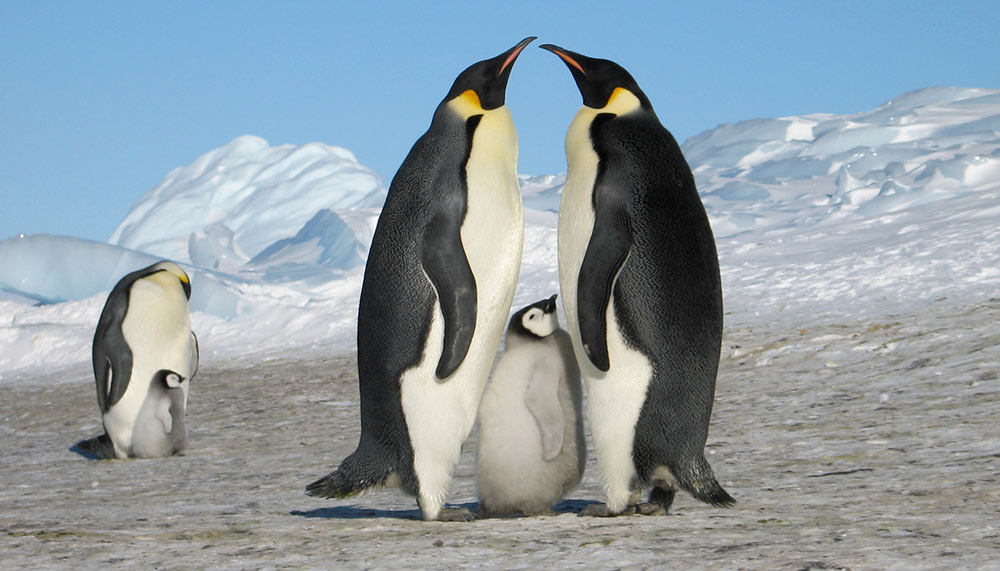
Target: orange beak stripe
x=570 y=61
x=513 y=55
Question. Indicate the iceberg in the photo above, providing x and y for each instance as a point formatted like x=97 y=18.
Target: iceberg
x=261 y=193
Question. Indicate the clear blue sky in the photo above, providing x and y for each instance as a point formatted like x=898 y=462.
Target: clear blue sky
x=99 y=100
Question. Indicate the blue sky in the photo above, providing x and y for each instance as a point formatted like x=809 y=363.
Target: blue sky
x=99 y=100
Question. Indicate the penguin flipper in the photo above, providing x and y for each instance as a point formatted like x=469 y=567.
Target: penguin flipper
x=542 y=400
x=195 y=354
x=606 y=253
x=112 y=366
x=446 y=265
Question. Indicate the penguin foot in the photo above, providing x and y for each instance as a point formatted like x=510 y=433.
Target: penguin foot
x=455 y=514
x=659 y=502
x=97 y=448
x=601 y=510
x=543 y=513
x=650 y=508
x=484 y=513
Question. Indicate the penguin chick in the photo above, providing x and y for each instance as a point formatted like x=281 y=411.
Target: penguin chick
x=531 y=445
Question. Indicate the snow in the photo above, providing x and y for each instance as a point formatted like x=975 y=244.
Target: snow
x=825 y=212
x=846 y=242
x=261 y=193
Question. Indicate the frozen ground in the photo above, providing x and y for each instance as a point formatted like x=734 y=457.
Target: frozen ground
x=862 y=444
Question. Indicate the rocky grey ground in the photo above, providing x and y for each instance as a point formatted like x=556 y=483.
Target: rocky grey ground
x=861 y=445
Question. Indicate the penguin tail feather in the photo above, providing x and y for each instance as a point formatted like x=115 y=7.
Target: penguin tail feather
x=700 y=482
x=334 y=485
x=357 y=474
x=712 y=493
x=97 y=448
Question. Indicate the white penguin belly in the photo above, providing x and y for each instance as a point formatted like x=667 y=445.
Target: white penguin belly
x=157 y=329
x=440 y=414
x=615 y=397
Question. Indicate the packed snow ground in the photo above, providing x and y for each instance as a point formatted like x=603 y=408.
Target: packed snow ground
x=860 y=444
x=857 y=402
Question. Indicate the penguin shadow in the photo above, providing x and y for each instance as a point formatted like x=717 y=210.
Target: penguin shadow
x=77 y=449
x=93 y=448
x=572 y=507
x=100 y=448
x=356 y=512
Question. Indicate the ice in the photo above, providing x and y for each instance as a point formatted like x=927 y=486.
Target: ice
x=736 y=190
x=919 y=148
x=805 y=209
x=326 y=241
x=275 y=236
x=53 y=269
x=262 y=193
x=542 y=192
x=216 y=248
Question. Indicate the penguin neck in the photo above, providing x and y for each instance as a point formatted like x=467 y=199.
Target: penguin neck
x=495 y=138
x=578 y=137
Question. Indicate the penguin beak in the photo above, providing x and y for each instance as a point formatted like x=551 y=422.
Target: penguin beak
x=590 y=75
x=567 y=57
x=550 y=305
x=496 y=92
x=511 y=55
x=488 y=78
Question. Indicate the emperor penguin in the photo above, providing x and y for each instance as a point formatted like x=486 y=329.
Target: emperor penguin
x=437 y=289
x=639 y=277
x=531 y=445
x=145 y=356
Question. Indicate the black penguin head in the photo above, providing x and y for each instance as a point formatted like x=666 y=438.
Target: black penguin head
x=488 y=79
x=186 y=284
x=175 y=271
x=537 y=320
x=598 y=79
x=169 y=379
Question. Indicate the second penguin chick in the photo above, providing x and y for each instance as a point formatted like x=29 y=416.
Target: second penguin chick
x=531 y=445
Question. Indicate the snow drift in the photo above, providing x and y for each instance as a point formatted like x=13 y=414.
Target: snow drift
x=823 y=214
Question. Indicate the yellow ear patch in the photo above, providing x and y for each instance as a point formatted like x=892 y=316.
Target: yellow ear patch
x=472 y=98
x=467 y=104
x=174 y=270
x=622 y=101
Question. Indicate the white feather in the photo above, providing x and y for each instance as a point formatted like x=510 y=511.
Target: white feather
x=614 y=398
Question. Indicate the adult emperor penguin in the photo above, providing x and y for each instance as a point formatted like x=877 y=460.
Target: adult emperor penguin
x=640 y=282
x=145 y=356
x=437 y=290
x=531 y=444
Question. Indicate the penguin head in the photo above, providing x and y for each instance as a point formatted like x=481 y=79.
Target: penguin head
x=169 y=379
x=483 y=85
x=538 y=320
x=603 y=83
x=169 y=271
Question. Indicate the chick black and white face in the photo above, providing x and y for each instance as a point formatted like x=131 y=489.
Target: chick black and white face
x=536 y=320
x=539 y=323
